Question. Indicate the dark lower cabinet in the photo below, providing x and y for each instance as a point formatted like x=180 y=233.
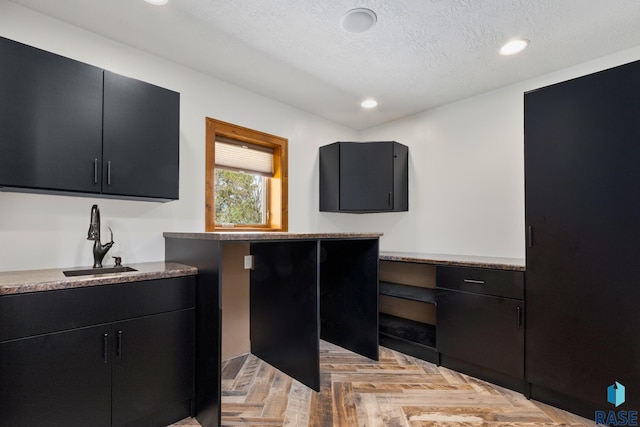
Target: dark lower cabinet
x=481 y=323
x=135 y=372
x=483 y=331
x=153 y=365
x=57 y=380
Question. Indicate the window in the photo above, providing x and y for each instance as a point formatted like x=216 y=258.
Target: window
x=246 y=179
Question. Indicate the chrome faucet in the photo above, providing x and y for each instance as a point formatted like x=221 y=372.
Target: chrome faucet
x=99 y=250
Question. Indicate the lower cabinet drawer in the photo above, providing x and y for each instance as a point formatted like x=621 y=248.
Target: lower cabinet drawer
x=500 y=283
x=482 y=330
x=29 y=314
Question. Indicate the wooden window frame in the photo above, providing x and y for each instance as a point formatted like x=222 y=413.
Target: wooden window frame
x=277 y=186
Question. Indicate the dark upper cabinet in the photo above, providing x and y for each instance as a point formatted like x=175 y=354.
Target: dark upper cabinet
x=364 y=177
x=141 y=130
x=50 y=120
x=581 y=204
x=68 y=127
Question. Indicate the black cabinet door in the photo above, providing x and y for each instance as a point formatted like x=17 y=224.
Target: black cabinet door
x=582 y=184
x=153 y=365
x=366 y=176
x=483 y=330
x=59 y=380
x=141 y=139
x=284 y=308
x=50 y=120
x=349 y=295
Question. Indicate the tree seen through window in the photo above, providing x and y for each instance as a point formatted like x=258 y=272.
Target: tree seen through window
x=239 y=198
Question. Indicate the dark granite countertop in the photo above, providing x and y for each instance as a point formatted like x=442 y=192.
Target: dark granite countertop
x=515 y=264
x=19 y=282
x=259 y=235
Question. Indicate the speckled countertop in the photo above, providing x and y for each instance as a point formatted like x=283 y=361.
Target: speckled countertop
x=258 y=235
x=515 y=264
x=19 y=282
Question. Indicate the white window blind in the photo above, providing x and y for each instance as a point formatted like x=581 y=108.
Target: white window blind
x=244 y=157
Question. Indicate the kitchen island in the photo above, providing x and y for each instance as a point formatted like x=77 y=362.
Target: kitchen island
x=303 y=287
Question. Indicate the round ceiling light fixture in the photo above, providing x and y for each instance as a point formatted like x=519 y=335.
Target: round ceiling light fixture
x=514 y=46
x=358 y=20
x=157 y=2
x=369 y=103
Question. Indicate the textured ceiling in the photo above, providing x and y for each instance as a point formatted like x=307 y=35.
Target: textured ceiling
x=419 y=55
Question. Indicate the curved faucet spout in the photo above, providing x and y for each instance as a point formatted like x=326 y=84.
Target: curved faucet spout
x=99 y=250
x=94 y=225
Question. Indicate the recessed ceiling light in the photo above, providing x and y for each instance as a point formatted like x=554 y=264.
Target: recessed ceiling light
x=358 y=20
x=369 y=103
x=514 y=46
x=157 y=2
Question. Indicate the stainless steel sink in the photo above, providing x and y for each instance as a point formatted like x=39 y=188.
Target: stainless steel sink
x=98 y=271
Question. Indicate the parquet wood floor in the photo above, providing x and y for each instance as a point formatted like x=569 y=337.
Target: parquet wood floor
x=397 y=391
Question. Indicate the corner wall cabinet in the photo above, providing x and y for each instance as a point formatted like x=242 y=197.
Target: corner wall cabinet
x=465 y=313
x=583 y=216
x=72 y=128
x=364 y=177
x=111 y=355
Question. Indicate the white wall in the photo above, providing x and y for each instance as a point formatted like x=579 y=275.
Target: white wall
x=466 y=164
x=466 y=179
x=44 y=231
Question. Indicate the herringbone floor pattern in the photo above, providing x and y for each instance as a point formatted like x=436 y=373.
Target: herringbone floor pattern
x=397 y=391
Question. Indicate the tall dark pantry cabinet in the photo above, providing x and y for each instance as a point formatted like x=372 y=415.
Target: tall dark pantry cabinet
x=582 y=186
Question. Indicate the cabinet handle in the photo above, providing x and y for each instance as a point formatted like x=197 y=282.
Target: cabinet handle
x=109 y=172
x=119 y=347
x=530 y=236
x=519 y=317
x=105 y=348
x=95 y=171
x=477 y=282
x=389 y=200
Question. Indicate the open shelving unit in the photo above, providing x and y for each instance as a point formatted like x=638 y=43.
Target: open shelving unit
x=407 y=309
x=412 y=293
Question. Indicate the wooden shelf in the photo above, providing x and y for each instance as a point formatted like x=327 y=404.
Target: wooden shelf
x=413 y=293
x=408 y=330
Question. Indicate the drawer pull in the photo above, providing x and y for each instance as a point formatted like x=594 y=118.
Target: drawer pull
x=119 y=347
x=519 y=317
x=477 y=282
x=105 y=348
